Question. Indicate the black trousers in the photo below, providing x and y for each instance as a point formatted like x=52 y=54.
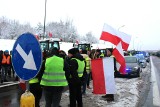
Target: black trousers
x=36 y=90
x=75 y=95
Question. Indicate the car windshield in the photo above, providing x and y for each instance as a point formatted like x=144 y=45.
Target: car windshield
x=140 y=56
x=131 y=59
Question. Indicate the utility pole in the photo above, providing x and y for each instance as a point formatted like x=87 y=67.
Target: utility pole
x=44 y=29
x=121 y=27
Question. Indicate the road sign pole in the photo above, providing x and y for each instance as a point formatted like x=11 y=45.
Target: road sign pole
x=26 y=61
x=27 y=85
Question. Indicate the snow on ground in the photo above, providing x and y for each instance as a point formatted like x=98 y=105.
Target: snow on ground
x=130 y=93
x=127 y=95
x=6 y=44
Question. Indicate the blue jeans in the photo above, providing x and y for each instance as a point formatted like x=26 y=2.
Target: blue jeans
x=53 y=96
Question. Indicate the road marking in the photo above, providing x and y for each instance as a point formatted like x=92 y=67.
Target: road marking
x=29 y=60
x=8 y=84
x=156 y=96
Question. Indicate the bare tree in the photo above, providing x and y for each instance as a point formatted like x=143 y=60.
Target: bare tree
x=90 y=38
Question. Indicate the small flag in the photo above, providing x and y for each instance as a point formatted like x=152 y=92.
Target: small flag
x=50 y=34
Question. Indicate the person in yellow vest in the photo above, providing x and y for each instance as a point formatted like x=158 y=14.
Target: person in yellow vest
x=6 y=63
x=77 y=67
x=36 y=89
x=54 y=72
x=98 y=54
x=87 y=70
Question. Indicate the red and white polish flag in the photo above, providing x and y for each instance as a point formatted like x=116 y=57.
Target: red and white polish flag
x=119 y=55
x=114 y=36
x=103 y=76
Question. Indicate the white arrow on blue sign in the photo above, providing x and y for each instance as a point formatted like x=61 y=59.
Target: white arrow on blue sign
x=26 y=56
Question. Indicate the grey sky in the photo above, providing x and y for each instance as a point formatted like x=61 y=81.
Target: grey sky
x=140 y=17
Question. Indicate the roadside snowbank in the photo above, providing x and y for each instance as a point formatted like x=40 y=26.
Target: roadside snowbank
x=128 y=93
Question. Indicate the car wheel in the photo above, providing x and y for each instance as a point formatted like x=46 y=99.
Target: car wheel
x=138 y=74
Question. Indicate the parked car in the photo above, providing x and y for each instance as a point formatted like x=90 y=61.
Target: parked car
x=141 y=60
x=133 y=68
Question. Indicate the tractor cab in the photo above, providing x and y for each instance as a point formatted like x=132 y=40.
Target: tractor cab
x=85 y=46
x=47 y=44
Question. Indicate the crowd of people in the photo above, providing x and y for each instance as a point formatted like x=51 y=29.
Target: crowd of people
x=6 y=68
x=59 y=70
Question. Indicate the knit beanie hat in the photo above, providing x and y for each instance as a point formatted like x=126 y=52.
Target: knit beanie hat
x=72 y=51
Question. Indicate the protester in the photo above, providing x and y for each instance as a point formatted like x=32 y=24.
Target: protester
x=6 y=62
x=98 y=54
x=90 y=73
x=36 y=89
x=87 y=70
x=77 y=67
x=1 y=56
x=62 y=54
x=54 y=73
x=110 y=97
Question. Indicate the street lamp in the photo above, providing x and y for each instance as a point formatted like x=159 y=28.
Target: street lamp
x=121 y=27
x=44 y=29
x=134 y=41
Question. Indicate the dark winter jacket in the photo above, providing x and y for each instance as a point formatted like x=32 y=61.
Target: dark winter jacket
x=73 y=65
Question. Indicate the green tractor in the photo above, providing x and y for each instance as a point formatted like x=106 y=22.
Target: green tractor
x=85 y=46
x=47 y=44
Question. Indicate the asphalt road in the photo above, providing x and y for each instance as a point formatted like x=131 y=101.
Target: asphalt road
x=153 y=99
x=9 y=95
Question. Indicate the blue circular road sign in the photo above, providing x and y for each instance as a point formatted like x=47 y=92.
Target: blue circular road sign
x=26 y=56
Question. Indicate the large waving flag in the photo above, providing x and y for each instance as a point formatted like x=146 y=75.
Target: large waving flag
x=119 y=55
x=114 y=36
x=103 y=76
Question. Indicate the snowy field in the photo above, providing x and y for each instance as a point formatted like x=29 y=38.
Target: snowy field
x=6 y=44
x=130 y=93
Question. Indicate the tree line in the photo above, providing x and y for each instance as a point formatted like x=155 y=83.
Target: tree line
x=64 y=30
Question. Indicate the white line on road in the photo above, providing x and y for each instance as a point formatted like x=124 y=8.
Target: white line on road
x=156 y=97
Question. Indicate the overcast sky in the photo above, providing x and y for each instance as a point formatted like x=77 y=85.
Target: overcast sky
x=141 y=18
